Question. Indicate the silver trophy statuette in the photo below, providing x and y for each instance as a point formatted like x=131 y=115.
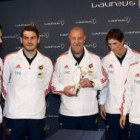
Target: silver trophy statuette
x=77 y=76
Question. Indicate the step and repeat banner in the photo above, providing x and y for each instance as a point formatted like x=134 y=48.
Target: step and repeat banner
x=55 y=18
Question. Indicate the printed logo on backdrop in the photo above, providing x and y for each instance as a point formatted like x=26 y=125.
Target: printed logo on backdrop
x=44 y=35
x=98 y=33
x=18 y=47
x=128 y=43
x=91 y=21
x=47 y=127
x=124 y=3
x=15 y=36
x=91 y=45
x=132 y=32
x=25 y=24
x=52 y=116
x=59 y=46
x=64 y=34
x=55 y=23
x=125 y=19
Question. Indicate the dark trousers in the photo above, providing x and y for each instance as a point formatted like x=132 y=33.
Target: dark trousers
x=113 y=130
x=19 y=129
x=1 y=131
x=79 y=123
x=134 y=131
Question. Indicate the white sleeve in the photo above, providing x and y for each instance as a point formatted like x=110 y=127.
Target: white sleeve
x=101 y=77
x=5 y=78
x=1 y=68
x=103 y=96
x=48 y=75
x=56 y=86
x=104 y=91
x=128 y=94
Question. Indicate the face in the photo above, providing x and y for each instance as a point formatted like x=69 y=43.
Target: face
x=116 y=46
x=0 y=36
x=29 y=41
x=77 y=40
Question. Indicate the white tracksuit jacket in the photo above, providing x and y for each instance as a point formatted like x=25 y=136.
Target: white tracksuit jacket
x=112 y=95
x=65 y=74
x=25 y=86
x=131 y=102
x=1 y=67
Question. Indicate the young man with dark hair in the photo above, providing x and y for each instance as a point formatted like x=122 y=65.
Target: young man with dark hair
x=116 y=64
x=26 y=82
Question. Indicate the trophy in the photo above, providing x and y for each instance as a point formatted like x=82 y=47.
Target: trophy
x=77 y=76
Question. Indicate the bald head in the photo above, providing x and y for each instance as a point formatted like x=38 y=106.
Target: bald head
x=77 y=28
x=77 y=40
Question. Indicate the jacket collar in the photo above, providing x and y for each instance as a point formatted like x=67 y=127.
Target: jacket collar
x=128 y=54
x=85 y=55
x=21 y=55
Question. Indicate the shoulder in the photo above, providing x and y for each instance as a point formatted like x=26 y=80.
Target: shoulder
x=136 y=53
x=63 y=56
x=93 y=55
x=134 y=68
x=10 y=55
x=44 y=58
x=106 y=56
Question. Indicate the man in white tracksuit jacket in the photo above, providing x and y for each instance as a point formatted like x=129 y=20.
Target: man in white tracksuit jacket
x=116 y=64
x=131 y=101
x=26 y=82
x=78 y=112
x=1 y=65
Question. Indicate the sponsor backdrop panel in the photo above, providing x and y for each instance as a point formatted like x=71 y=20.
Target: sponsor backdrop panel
x=54 y=19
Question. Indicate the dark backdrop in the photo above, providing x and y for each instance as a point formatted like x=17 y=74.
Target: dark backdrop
x=54 y=19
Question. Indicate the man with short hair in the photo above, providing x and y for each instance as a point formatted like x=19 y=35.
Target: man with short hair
x=131 y=102
x=1 y=64
x=77 y=76
x=26 y=82
x=116 y=64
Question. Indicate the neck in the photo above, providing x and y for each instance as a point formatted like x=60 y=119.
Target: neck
x=78 y=55
x=30 y=54
x=122 y=52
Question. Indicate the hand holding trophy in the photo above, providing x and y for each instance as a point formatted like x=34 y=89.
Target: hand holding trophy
x=77 y=76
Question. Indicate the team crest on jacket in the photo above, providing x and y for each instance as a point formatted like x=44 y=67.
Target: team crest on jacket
x=137 y=75
x=90 y=66
x=40 y=73
x=40 y=67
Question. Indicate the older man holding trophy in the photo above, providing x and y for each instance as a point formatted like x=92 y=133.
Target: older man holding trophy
x=78 y=74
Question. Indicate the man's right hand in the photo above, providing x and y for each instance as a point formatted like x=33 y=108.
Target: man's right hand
x=67 y=91
x=122 y=121
x=103 y=112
